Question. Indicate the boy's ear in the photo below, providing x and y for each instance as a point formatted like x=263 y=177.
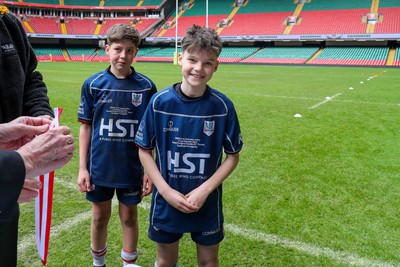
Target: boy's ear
x=180 y=56
x=107 y=48
x=216 y=66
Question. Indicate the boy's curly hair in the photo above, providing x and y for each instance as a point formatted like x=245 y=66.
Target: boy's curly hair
x=198 y=37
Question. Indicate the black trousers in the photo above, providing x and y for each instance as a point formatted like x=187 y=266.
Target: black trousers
x=9 y=241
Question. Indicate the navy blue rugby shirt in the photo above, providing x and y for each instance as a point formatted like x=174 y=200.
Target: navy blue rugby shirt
x=189 y=137
x=114 y=107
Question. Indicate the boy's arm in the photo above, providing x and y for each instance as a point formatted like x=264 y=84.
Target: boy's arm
x=199 y=195
x=85 y=132
x=173 y=197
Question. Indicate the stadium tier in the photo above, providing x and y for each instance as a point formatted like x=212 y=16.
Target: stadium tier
x=253 y=31
x=391 y=20
x=396 y=61
x=49 y=54
x=331 y=22
x=360 y=56
x=282 y=55
x=95 y=2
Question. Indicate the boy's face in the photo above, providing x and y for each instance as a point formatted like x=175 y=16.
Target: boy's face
x=198 y=67
x=121 y=57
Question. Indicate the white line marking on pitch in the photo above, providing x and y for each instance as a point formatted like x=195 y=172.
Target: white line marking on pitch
x=325 y=101
x=310 y=249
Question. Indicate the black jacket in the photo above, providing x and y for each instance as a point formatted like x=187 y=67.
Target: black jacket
x=22 y=90
x=11 y=181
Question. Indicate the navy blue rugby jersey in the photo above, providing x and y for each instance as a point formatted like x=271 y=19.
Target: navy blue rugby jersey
x=189 y=137
x=114 y=107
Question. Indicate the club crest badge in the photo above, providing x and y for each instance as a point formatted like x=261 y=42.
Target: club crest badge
x=136 y=99
x=208 y=128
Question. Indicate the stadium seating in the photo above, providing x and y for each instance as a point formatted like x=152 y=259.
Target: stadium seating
x=282 y=55
x=44 y=53
x=81 y=26
x=397 y=57
x=81 y=53
x=80 y=2
x=254 y=18
x=160 y=55
x=361 y=56
x=256 y=24
x=109 y=22
x=391 y=22
x=317 y=5
x=52 y=2
x=45 y=25
x=236 y=54
x=331 y=22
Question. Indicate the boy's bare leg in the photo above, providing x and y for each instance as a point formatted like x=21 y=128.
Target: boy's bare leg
x=101 y=212
x=207 y=256
x=167 y=254
x=130 y=229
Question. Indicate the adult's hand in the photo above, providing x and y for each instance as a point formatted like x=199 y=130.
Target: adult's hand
x=22 y=130
x=29 y=190
x=47 y=152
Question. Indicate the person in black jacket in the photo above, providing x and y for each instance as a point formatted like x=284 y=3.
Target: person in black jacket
x=22 y=93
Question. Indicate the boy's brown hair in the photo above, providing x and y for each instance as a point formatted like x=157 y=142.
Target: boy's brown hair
x=198 y=37
x=120 y=31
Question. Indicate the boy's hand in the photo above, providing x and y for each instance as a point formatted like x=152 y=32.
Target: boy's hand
x=84 y=181
x=147 y=187
x=179 y=201
x=197 y=197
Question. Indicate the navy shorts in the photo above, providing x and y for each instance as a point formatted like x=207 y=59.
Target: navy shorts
x=127 y=196
x=207 y=238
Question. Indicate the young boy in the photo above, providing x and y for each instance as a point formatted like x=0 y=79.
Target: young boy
x=112 y=104
x=189 y=125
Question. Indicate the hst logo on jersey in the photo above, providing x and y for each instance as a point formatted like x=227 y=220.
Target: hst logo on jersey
x=121 y=128
x=209 y=127
x=137 y=99
x=187 y=163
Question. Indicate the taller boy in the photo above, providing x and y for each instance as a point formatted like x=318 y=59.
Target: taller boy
x=190 y=124
x=112 y=104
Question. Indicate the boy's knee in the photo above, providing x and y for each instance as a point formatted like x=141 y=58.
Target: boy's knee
x=129 y=221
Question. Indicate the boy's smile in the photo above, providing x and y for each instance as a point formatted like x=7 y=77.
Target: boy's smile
x=198 y=68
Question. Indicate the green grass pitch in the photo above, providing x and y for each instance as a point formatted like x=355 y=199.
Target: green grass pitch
x=322 y=189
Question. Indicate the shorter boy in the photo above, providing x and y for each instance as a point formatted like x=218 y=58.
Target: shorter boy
x=189 y=125
x=112 y=104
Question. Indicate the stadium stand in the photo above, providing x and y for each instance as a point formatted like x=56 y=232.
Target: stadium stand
x=357 y=56
x=253 y=31
x=81 y=3
x=51 y=2
x=346 y=21
x=45 y=25
x=165 y=54
x=391 y=20
x=236 y=54
x=397 y=57
x=81 y=26
x=282 y=55
x=44 y=53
